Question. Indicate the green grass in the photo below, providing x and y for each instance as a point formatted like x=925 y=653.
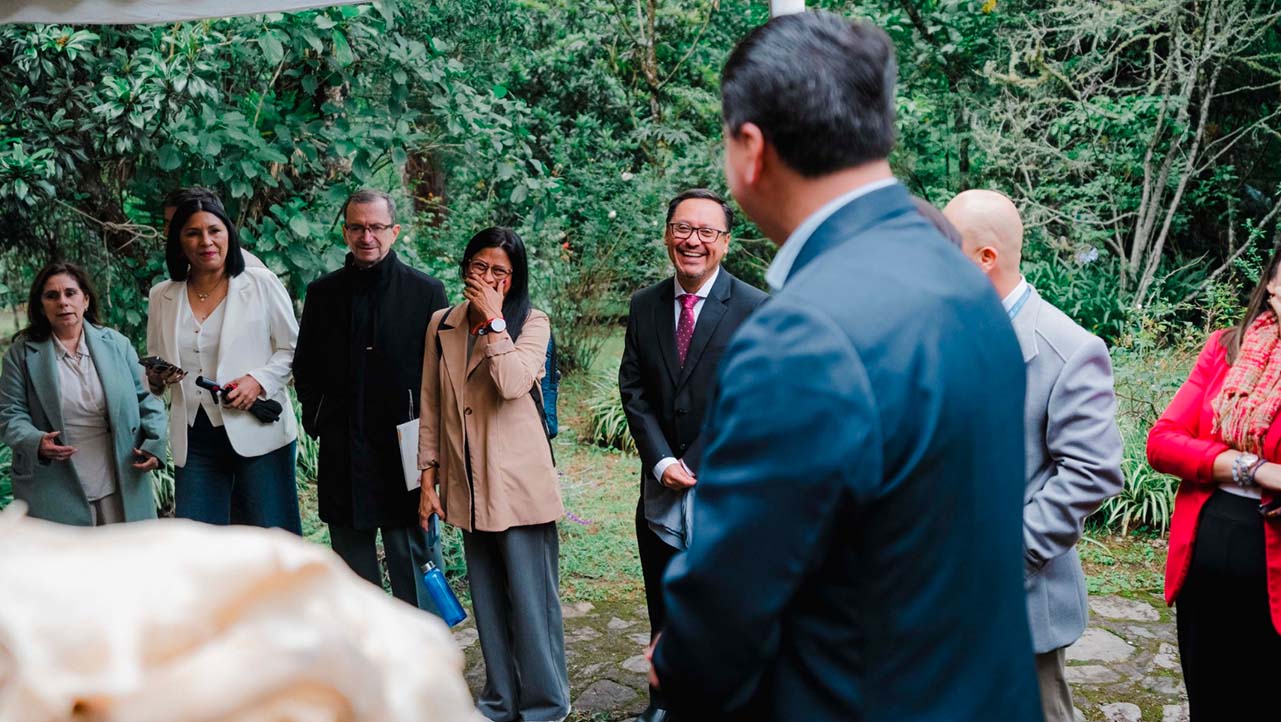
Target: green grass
x=1128 y=565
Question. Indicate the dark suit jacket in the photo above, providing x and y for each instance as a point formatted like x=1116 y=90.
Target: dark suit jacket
x=859 y=552
x=353 y=397
x=665 y=402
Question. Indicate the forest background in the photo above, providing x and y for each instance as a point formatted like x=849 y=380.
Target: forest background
x=1141 y=139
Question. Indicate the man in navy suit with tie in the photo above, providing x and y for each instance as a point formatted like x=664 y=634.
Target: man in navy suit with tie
x=677 y=330
x=858 y=553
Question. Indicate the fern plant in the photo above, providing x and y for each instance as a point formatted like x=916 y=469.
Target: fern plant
x=607 y=423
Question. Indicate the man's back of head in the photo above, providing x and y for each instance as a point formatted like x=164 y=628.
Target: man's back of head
x=991 y=234
x=808 y=105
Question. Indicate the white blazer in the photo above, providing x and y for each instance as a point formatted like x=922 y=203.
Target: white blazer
x=259 y=333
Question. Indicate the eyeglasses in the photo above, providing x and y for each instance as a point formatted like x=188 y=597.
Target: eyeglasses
x=682 y=231
x=479 y=268
x=358 y=230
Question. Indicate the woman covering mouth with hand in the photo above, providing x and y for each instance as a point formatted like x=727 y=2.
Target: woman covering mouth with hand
x=84 y=431
x=234 y=325
x=482 y=439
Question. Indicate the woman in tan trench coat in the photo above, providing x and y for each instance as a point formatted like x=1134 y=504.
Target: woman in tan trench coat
x=482 y=441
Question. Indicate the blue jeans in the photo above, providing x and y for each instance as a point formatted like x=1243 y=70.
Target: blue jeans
x=219 y=486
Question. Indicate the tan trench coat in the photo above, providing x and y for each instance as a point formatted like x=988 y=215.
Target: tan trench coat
x=513 y=480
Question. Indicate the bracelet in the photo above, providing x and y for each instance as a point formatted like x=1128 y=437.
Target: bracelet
x=1243 y=468
x=1254 y=469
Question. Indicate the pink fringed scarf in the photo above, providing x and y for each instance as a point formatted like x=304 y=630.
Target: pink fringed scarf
x=1250 y=398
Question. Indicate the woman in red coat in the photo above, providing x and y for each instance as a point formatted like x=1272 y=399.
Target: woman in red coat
x=1221 y=436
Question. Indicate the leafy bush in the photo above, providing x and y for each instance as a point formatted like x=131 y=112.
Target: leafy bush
x=1147 y=500
x=606 y=421
x=1147 y=374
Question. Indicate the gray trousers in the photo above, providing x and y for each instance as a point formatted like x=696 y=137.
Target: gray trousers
x=1056 y=696
x=406 y=552
x=514 y=577
x=110 y=509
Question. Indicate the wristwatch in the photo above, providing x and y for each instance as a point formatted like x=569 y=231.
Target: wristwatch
x=1244 y=468
x=493 y=325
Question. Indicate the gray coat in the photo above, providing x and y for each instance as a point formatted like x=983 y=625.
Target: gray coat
x=30 y=407
x=1073 y=452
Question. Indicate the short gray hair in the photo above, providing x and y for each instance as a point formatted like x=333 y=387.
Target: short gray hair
x=368 y=195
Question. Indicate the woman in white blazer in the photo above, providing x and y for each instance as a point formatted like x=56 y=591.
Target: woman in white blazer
x=234 y=326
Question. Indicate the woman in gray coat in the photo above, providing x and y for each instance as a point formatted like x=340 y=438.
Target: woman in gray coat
x=84 y=430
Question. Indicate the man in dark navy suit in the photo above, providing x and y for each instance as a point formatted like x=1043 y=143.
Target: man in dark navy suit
x=677 y=331
x=858 y=553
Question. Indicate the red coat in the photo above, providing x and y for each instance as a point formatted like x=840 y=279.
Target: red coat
x=1182 y=443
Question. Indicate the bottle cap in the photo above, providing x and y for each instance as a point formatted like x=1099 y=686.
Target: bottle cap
x=428 y=567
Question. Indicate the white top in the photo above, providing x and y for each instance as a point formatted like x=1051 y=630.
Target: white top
x=703 y=292
x=1238 y=490
x=781 y=268
x=197 y=355
x=84 y=420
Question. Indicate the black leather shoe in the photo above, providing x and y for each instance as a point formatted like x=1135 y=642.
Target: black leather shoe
x=655 y=714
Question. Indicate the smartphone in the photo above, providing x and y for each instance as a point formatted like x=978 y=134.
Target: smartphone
x=157 y=364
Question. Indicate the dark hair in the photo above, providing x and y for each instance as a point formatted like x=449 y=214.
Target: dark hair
x=821 y=89
x=38 y=328
x=367 y=195
x=704 y=194
x=940 y=221
x=181 y=196
x=516 y=304
x=1257 y=306
x=176 y=260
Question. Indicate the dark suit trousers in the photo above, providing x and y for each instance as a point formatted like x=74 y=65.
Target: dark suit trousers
x=405 y=550
x=655 y=555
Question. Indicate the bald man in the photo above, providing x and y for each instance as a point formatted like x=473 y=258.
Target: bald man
x=1071 y=439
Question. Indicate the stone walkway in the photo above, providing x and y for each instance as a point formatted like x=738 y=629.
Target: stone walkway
x=1125 y=668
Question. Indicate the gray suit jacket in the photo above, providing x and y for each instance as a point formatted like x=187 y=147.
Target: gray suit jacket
x=1073 y=452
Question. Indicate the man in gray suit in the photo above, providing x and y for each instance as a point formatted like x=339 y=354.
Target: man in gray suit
x=1072 y=444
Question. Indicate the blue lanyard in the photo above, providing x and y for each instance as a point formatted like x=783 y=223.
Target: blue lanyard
x=1018 y=305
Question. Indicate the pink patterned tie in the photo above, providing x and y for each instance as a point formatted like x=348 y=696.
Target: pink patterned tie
x=685 y=327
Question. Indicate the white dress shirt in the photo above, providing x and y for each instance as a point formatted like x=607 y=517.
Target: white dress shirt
x=197 y=354
x=84 y=420
x=1013 y=296
x=703 y=292
x=786 y=257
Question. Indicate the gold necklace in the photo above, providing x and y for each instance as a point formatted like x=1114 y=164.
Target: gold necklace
x=205 y=296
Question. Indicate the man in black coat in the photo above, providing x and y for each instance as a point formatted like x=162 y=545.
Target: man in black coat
x=676 y=332
x=358 y=371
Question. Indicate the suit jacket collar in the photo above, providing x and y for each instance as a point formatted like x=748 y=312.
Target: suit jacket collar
x=709 y=317
x=42 y=364
x=453 y=334
x=109 y=375
x=666 y=331
x=714 y=307
x=1025 y=325
x=852 y=219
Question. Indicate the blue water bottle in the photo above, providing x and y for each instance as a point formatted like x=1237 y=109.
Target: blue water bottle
x=446 y=603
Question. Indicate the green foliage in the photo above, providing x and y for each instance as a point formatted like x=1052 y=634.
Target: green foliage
x=1147 y=499
x=283 y=114
x=606 y=421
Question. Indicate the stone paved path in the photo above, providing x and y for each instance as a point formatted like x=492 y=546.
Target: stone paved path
x=1125 y=668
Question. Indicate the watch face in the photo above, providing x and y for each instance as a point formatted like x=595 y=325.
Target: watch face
x=498 y=325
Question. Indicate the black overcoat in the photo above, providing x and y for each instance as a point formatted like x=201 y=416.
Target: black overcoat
x=355 y=386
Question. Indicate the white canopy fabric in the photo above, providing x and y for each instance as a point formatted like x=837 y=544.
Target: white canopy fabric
x=128 y=12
